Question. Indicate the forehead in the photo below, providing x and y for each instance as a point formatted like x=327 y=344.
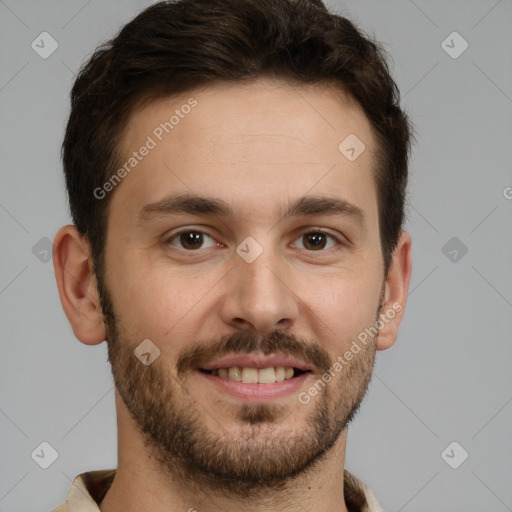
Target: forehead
x=258 y=141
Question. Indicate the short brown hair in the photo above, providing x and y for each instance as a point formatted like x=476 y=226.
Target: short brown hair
x=172 y=47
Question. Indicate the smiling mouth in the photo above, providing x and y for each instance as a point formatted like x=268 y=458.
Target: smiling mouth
x=250 y=375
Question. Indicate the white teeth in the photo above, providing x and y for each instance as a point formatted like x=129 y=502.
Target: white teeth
x=249 y=375
x=234 y=373
x=280 y=374
x=254 y=375
x=267 y=375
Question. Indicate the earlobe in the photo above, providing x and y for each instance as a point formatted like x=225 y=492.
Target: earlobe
x=76 y=283
x=395 y=292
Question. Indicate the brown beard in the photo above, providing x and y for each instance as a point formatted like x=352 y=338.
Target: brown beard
x=263 y=455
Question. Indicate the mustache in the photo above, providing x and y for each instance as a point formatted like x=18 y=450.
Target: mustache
x=245 y=342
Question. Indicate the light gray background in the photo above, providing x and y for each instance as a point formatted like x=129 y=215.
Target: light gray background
x=447 y=378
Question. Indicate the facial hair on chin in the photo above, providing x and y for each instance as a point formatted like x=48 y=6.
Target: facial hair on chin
x=264 y=455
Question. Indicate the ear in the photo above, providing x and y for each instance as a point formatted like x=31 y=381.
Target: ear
x=76 y=282
x=395 y=292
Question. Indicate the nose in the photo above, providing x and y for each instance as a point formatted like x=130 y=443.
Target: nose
x=259 y=296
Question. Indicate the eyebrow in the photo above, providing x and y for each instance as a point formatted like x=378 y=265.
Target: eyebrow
x=306 y=206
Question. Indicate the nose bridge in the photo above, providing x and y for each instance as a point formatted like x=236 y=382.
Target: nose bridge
x=259 y=294
x=262 y=275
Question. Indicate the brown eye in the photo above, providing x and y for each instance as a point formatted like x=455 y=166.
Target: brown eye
x=317 y=240
x=190 y=240
x=314 y=240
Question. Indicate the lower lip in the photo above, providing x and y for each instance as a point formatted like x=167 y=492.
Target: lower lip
x=255 y=392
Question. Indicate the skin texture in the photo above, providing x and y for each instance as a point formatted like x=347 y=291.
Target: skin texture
x=182 y=443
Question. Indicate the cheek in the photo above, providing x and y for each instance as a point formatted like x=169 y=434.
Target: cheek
x=344 y=307
x=156 y=302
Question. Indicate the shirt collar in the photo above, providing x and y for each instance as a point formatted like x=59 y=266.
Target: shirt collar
x=88 y=489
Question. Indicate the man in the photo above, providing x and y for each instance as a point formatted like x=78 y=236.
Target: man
x=236 y=173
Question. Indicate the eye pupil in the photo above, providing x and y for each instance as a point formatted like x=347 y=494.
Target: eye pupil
x=317 y=240
x=191 y=238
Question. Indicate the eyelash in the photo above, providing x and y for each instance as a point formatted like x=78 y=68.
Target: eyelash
x=340 y=243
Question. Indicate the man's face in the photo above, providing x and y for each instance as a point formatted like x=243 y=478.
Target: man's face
x=205 y=286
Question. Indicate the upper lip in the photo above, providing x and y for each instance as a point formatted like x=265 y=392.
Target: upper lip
x=256 y=361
